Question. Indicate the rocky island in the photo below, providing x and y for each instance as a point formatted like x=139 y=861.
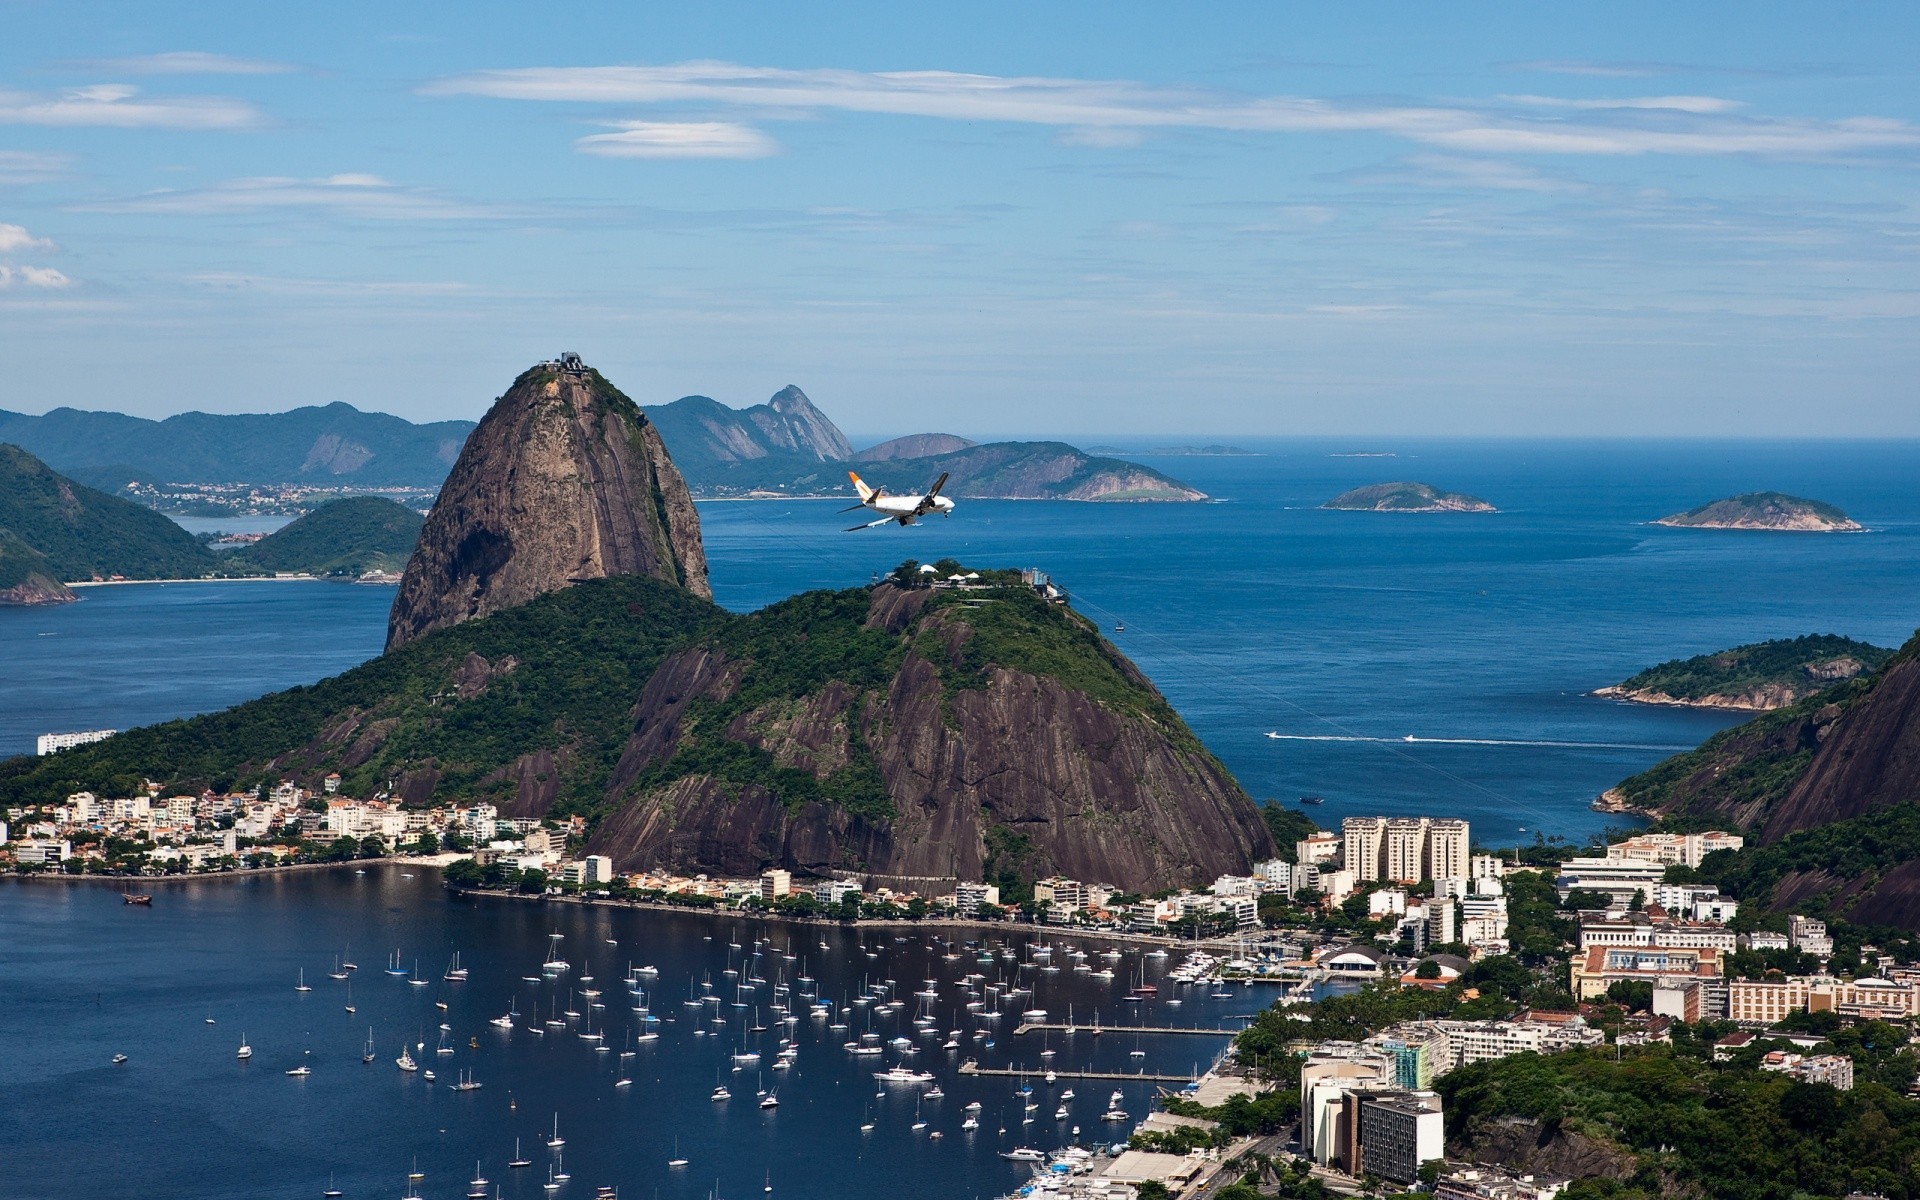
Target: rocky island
x=1407 y=498
x=554 y=652
x=1765 y=510
x=1759 y=677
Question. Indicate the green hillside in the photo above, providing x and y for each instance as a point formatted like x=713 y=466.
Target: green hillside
x=1791 y=668
x=84 y=534
x=345 y=537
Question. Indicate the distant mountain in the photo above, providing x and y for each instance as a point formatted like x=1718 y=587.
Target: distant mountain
x=336 y=444
x=1181 y=451
x=25 y=575
x=914 y=445
x=76 y=533
x=707 y=437
x=1408 y=498
x=1765 y=510
x=1761 y=676
x=788 y=447
x=346 y=537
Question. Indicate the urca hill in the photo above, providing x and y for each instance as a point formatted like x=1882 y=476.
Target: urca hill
x=559 y=654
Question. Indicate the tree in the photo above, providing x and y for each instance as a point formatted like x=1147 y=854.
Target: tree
x=1428 y=969
x=427 y=843
x=1151 y=1189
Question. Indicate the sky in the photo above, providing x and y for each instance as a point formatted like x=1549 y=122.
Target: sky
x=1088 y=220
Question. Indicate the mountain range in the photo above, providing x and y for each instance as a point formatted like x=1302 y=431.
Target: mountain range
x=786 y=446
x=333 y=444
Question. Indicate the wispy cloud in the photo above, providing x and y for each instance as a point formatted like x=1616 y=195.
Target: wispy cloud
x=235 y=281
x=187 y=62
x=360 y=196
x=116 y=105
x=1462 y=172
x=679 y=139
x=29 y=166
x=1118 y=111
x=34 y=277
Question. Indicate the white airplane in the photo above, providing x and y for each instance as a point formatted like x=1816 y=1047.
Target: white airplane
x=902 y=509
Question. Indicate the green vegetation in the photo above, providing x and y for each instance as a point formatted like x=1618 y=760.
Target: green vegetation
x=1287 y=826
x=346 y=537
x=565 y=670
x=80 y=534
x=1756 y=763
x=1853 y=853
x=1796 y=665
x=1730 y=1131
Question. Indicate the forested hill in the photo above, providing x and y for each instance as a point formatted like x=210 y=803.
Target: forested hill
x=336 y=443
x=76 y=533
x=345 y=537
x=1762 y=675
x=865 y=729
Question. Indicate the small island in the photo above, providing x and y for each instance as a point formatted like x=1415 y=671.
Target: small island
x=1765 y=510
x=1407 y=498
x=1757 y=678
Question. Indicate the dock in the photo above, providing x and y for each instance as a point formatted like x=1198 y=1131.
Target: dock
x=1097 y=1030
x=973 y=1068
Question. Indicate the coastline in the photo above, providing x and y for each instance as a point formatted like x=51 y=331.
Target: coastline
x=1717 y=701
x=93 y=583
x=125 y=882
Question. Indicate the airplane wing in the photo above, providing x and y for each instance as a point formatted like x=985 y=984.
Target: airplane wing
x=869 y=524
x=853 y=508
x=926 y=501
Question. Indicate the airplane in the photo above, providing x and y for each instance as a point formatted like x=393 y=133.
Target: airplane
x=902 y=509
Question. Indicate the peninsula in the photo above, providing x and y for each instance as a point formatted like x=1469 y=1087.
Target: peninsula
x=1407 y=498
x=1758 y=677
x=1775 y=511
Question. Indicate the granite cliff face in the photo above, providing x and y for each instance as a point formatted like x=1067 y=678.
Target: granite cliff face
x=563 y=480
x=916 y=753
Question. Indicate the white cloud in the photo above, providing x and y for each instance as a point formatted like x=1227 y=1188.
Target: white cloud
x=1119 y=111
x=114 y=105
x=188 y=62
x=348 y=195
x=16 y=237
x=1457 y=171
x=679 y=139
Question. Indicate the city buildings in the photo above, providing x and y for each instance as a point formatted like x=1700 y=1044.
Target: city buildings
x=50 y=743
x=1597 y=968
x=1404 y=849
x=1835 y=1070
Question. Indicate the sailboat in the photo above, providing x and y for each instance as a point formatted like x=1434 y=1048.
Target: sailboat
x=455 y=972
x=556 y=1141
x=338 y=972
x=516 y=1162
x=415 y=979
x=676 y=1161
x=405 y=1061
x=302 y=985
x=466 y=1083
x=366 y=1056
x=350 y=1007
x=332 y=1192
x=393 y=965
x=245 y=1052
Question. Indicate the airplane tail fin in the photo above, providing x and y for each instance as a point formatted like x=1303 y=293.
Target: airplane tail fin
x=860 y=486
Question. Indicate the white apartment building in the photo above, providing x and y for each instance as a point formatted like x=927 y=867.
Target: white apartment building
x=51 y=743
x=775 y=884
x=1447 y=849
x=1363 y=843
x=1686 y=849
x=968 y=897
x=1319 y=848
x=1404 y=849
x=1637 y=929
x=833 y=891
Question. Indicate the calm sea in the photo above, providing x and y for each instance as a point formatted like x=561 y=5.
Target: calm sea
x=1342 y=633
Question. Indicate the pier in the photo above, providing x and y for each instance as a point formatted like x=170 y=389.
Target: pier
x=973 y=1068
x=1097 y=1030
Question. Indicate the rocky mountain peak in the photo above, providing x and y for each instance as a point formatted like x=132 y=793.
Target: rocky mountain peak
x=563 y=480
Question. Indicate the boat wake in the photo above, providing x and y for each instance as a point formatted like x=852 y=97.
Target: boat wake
x=1410 y=739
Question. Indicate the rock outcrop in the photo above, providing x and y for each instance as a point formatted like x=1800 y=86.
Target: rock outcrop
x=972 y=766
x=914 y=445
x=563 y=480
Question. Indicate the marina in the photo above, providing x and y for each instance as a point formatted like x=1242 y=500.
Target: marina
x=684 y=1052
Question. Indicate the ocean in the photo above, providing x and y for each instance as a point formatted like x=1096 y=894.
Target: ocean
x=1343 y=634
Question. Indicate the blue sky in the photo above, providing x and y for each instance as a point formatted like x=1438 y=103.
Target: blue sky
x=1099 y=219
